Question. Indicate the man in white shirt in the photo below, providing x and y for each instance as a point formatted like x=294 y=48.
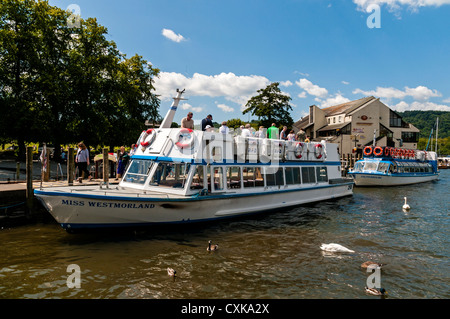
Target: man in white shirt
x=224 y=129
x=246 y=131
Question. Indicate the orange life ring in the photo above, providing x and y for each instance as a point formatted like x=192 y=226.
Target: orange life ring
x=298 y=150
x=387 y=151
x=318 y=149
x=392 y=152
x=367 y=151
x=397 y=152
x=181 y=138
x=412 y=154
x=377 y=151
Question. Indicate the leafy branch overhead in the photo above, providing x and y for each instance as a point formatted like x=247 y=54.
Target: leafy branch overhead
x=61 y=83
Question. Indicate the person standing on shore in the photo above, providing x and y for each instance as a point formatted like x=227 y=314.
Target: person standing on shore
x=122 y=161
x=82 y=162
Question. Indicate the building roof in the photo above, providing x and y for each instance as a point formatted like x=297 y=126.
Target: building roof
x=347 y=107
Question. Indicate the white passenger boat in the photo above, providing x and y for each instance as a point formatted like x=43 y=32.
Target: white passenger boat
x=387 y=166
x=182 y=176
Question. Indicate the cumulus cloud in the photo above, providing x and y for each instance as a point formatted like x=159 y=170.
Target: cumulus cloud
x=225 y=108
x=238 y=89
x=333 y=100
x=421 y=93
x=420 y=106
x=311 y=88
x=286 y=83
x=187 y=106
x=169 y=34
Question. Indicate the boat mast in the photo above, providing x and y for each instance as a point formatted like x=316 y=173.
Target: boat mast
x=437 y=128
x=167 y=122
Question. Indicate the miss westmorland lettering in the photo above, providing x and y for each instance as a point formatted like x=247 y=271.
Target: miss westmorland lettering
x=106 y=204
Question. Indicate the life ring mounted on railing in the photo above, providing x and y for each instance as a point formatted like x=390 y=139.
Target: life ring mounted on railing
x=318 y=151
x=298 y=150
x=367 y=151
x=378 y=151
x=387 y=151
x=185 y=138
x=146 y=139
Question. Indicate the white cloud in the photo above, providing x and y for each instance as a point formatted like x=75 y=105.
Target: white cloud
x=187 y=106
x=345 y=82
x=421 y=93
x=311 y=88
x=286 y=83
x=331 y=101
x=169 y=34
x=446 y=100
x=225 y=108
x=302 y=95
x=420 y=106
x=238 y=89
x=397 y=4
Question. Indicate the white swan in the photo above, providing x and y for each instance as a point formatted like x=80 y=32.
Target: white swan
x=335 y=248
x=406 y=206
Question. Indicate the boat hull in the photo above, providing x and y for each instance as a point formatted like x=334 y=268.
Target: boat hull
x=364 y=179
x=74 y=210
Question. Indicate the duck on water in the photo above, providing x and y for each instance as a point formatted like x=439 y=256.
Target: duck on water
x=184 y=176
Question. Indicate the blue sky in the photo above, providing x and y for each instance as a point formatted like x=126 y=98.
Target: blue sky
x=322 y=52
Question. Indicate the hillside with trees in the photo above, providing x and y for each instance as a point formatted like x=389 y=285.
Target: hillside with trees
x=425 y=121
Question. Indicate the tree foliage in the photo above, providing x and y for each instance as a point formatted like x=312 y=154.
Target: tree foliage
x=270 y=106
x=425 y=121
x=62 y=84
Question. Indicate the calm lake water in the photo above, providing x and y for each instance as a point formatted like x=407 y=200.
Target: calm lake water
x=270 y=256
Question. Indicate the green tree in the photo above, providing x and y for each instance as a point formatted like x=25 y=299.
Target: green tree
x=270 y=106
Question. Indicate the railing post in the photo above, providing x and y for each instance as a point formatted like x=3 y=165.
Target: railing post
x=29 y=173
x=70 y=166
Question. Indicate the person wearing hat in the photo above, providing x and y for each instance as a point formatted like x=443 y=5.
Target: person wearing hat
x=207 y=121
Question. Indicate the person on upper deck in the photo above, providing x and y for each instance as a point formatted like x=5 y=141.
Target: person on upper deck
x=224 y=129
x=207 y=121
x=246 y=131
x=284 y=134
x=188 y=122
x=272 y=132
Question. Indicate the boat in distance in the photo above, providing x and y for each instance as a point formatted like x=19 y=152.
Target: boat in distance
x=388 y=166
x=185 y=176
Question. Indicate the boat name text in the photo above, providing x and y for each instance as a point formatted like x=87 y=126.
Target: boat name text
x=69 y=202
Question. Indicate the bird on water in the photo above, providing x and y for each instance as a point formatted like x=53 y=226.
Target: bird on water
x=406 y=206
x=171 y=272
x=371 y=264
x=376 y=291
x=335 y=248
x=212 y=247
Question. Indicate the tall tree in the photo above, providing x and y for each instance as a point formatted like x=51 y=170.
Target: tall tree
x=271 y=106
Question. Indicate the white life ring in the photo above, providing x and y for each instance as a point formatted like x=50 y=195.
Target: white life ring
x=147 y=138
x=185 y=138
x=298 y=150
x=318 y=151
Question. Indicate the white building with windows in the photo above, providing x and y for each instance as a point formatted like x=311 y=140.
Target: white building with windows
x=356 y=124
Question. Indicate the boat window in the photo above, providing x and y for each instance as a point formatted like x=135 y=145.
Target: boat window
x=233 y=177
x=292 y=175
x=358 y=166
x=138 y=171
x=308 y=175
x=252 y=177
x=197 y=180
x=370 y=166
x=218 y=178
x=383 y=167
x=322 y=174
x=169 y=174
x=274 y=176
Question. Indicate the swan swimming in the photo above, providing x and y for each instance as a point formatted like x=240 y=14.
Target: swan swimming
x=336 y=248
x=406 y=206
